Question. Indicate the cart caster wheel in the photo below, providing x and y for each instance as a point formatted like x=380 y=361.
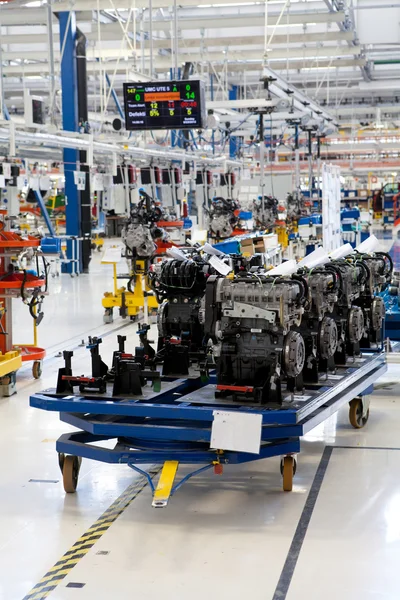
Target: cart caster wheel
x=356 y=417
x=37 y=369
x=70 y=471
x=61 y=459
x=288 y=470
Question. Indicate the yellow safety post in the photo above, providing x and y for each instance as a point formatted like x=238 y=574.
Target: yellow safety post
x=165 y=483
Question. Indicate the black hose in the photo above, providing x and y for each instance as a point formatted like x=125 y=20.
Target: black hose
x=387 y=256
x=337 y=271
x=306 y=289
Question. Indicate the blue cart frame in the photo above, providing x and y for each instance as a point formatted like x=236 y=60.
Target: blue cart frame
x=175 y=426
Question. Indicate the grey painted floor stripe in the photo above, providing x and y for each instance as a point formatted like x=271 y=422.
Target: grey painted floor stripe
x=294 y=551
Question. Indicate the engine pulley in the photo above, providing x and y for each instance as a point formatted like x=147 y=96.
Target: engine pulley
x=377 y=313
x=355 y=324
x=294 y=352
x=327 y=337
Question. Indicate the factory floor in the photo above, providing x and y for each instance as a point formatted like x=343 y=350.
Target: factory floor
x=233 y=536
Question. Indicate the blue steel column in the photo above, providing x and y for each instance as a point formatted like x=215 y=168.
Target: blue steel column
x=233 y=140
x=70 y=119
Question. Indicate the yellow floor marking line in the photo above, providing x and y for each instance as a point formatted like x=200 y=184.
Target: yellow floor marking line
x=67 y=562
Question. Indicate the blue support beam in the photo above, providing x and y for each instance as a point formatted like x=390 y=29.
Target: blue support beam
x=69 y=88
x=233 y=140
x=45 y=214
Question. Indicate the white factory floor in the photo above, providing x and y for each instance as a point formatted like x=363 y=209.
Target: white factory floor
x=232 y=537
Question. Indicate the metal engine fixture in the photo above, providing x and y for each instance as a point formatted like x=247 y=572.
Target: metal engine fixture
x=349 y=318
x=265 y=211
x=223 y=219
x=294 y=208
x=140 y=230
x=251 y=320
x=380 y=268
x=180 y=286
x=318 y=328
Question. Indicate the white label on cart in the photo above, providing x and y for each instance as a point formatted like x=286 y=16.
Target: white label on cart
x=360 y=360
x=236 y=431
x=301 y=398
x=335 y=377
x=113 y=254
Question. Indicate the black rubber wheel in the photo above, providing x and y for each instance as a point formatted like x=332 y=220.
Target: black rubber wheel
x=70 y=471
x=356 y=417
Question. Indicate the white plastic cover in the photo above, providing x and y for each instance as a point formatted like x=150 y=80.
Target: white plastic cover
x=341 y=252
x=177 y=254
x=371 y=244
x=208 y=249
x=287 y=268
x=316 y=258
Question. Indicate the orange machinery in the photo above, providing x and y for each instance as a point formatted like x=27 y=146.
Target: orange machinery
x=17 y=283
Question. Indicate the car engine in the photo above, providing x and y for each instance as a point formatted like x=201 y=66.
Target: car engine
x=265 y=211
x=349 y=317
x=140 y=230
x=180 y=286
x=318 y=328
x=380 y=268
x=223 y=219
x=252 y=322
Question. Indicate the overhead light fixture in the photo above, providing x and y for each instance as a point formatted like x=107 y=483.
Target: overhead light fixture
x=36 y=3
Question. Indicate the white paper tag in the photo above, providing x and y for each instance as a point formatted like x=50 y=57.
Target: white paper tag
x=34 y=183
x=236 y=431
x=219 y=266
x=112 y=255
x=208 y=249
x=2 y=181
x=22 y=182
x=7 y=170
x=98 y=182
x=80 y=180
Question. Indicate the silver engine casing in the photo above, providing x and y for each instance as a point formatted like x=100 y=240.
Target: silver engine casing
x=137 y=237
x=274 y=302
x=220 y=226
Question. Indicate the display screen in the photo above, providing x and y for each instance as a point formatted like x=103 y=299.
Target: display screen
x=165 y=105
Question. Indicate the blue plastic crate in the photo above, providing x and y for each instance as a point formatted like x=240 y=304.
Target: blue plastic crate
x=50 y=245
x=311 y=220
x=228 y=246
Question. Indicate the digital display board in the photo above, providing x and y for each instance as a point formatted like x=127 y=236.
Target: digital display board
x=165 y=105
